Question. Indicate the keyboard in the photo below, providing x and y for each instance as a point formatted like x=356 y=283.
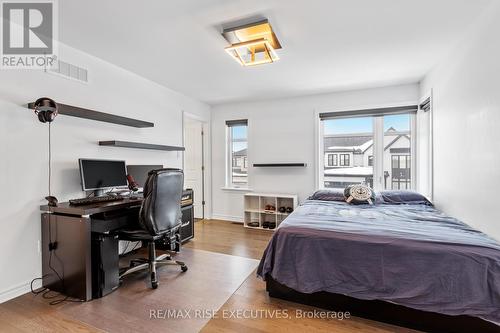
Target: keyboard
x=93 y=200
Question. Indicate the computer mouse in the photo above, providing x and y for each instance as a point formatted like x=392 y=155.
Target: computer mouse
x=52 y=201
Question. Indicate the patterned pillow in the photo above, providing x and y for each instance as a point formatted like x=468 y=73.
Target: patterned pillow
x=359 y=194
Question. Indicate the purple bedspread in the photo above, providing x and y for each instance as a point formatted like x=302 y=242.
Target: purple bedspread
x=411 y=255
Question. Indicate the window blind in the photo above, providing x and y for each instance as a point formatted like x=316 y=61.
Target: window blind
x=426 y=105
x=238 y=122
x=369 y=112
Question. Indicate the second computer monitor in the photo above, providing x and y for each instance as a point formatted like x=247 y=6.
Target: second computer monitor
x=140 y=172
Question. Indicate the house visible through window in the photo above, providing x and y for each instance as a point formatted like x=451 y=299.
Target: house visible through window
x=374 y=149
x=237 y=144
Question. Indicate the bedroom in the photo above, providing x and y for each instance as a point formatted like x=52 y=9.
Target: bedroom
x=396 y=95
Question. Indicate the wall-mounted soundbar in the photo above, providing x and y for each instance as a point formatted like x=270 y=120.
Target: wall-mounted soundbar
x=139 y=145
x=74 y=111
x=278 y=165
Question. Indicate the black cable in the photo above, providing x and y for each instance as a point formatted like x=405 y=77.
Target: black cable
x=45 y=291
x=50 y=162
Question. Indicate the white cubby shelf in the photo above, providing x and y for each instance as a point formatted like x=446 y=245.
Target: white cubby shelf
x=256 y=212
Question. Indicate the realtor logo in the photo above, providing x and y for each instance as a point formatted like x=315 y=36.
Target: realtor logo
x=28 y=34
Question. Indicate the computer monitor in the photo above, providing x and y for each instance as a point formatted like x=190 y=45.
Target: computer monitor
x=98 y=175
x=140 y=172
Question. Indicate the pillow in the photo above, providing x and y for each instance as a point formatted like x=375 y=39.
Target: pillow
x=401 y=197
x=359 y=194
x=328 y=195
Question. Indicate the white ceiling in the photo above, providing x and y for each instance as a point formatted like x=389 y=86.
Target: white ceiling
x=328 y=45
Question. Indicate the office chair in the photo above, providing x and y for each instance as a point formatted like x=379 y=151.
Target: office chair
x=159 y=218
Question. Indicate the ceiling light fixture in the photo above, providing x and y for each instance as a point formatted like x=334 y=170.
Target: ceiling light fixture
x=252 y=44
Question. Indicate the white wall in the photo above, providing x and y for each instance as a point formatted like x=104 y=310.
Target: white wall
x=283 y=130
x=466 y=91
x=23 y=148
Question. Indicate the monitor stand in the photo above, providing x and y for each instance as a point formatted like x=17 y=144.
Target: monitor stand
x=100 y=192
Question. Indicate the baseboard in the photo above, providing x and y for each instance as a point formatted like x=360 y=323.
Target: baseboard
x=18 y=290
x=231 y=218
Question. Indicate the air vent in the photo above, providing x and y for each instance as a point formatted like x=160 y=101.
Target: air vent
x=70 y=71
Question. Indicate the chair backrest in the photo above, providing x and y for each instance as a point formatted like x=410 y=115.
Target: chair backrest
x=161 y=208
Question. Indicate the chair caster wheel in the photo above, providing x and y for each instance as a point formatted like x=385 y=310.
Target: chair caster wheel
x=184 y=268
x=154 y=281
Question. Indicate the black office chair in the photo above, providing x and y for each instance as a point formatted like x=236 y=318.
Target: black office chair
x=159 y=218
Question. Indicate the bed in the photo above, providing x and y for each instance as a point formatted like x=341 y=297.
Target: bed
x=410 y=258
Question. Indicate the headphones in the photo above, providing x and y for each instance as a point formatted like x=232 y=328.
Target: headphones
x=46 y=109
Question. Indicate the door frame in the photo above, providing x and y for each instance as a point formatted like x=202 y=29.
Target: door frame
x=206 y=170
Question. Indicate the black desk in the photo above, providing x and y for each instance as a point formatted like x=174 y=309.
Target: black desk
x=74 y=228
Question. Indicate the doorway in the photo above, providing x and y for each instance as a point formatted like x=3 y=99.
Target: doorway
x=194 y=162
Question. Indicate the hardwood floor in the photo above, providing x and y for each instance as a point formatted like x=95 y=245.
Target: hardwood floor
x=229 y=238
x=211 y=275
x=234 y=239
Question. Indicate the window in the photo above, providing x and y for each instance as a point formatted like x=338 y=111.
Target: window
x=345 y=160
x=374 y=148
x=332 y=160
x=237 y=144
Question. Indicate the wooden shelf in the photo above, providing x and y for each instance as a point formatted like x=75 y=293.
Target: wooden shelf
x=139 y=145
x=78 y=112
x=279 y=165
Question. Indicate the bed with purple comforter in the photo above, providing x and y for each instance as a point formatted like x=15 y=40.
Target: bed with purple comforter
x=411 y=255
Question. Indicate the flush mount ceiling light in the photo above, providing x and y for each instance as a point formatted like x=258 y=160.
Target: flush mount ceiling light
x=252 y=44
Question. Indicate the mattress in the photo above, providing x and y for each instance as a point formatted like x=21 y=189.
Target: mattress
x=411 y=255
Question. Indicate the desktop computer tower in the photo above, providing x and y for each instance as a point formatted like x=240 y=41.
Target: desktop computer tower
x=105 y=266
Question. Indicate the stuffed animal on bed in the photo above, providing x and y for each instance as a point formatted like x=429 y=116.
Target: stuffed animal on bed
x=358 y=194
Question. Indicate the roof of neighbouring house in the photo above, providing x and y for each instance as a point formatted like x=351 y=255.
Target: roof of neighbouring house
x=358 y=142
x=354 y=171
x=242 y=152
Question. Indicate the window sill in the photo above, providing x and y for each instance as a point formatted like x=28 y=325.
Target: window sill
x=236 y=189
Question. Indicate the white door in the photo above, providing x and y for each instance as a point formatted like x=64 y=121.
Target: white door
x=193 y=162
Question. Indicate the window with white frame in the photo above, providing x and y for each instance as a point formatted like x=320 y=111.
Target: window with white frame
x=374 y=147
x=237 y=158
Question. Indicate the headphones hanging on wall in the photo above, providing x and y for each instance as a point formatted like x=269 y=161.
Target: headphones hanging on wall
x=46 y=109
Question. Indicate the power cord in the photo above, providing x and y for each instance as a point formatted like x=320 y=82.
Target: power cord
x=52 y=247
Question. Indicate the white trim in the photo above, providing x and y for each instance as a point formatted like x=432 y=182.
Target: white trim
x=228 y=218
x=378 y=152
x=18 y=290
x=318 y=152
x=430 y=165
x=414 y=136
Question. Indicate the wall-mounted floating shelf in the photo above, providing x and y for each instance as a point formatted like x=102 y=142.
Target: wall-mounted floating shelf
x=139 y=145
x=279 y=165
x=74 y=111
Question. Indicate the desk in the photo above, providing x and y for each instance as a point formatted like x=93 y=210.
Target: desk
x=78 y=230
